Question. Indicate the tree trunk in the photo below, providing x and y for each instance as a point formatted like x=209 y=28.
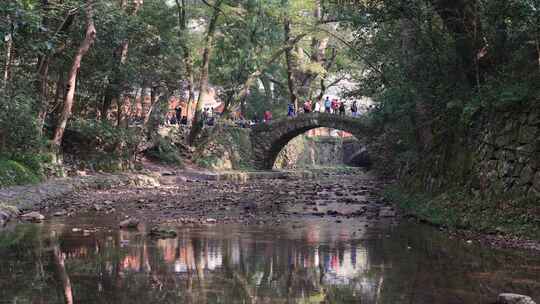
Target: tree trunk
x=114 y=89
x=253 y=76
x=60 y=90
x=268 y=94
x=89 y=39
x=461 y=19
x=43 y=76
x=119 y=111
x=155 y=115
x=228 y=101
x=329 y=63
x=121 y=119
x=318 y=50
x=197 y=123
x=9 y=54
x=411 y=59
x=323 y=91
x=188 y=61
x=153 y=102
x=290 y=67
x=44 y=63
x=62 y=274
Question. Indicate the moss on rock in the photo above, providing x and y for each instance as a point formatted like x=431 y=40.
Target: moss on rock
x=225 y=147
x=14 y=173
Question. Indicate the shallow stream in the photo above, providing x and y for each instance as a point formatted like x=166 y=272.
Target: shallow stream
x=86 y=260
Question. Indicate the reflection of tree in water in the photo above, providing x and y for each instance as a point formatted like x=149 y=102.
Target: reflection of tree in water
x=26 y=268
x=60 y=264
x=126 y=267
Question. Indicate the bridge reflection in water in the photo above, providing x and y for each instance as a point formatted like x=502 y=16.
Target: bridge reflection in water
x=231 y=264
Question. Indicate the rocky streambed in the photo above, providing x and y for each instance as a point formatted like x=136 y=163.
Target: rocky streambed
x=332 y=196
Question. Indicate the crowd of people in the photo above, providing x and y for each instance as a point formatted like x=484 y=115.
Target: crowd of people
x=176 y=117
x=333 y=106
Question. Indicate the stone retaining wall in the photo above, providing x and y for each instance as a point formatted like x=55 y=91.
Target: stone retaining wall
x=499 y=155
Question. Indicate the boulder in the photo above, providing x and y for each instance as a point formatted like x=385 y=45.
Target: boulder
x=129 y=223
x=33 y=217
x=162 y=232
x=387 y=212
x=512 y=298
x=60 y=213
x=10 y=211
x=4 y=216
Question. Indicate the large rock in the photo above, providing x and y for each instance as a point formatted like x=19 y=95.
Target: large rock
x=4 y=218
x=526 y=175
x=503 y=140
x=162 y=232
x=387 y=212
x=129 y=223
x=512 y=298
x=12 y=211
x=527 y=134
x=33 y=217
x=4 y=215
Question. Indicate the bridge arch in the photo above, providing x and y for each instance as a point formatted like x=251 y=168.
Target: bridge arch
x=270 y=138
x=359 y=159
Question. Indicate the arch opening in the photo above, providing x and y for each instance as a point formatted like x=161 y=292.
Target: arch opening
x=318 y=148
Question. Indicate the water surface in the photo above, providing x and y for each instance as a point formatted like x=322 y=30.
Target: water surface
x=309 y=261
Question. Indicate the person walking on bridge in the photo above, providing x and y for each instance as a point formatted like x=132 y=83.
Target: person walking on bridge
x=290 y=110
x=335 y=106
x=307 y=106
x=327 y=105
x=317 y=107
x=267 y=116
x=342 y=108
x=178 y=114
x=354 y=109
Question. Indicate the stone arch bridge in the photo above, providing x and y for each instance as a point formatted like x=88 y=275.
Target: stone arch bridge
x=269 y=139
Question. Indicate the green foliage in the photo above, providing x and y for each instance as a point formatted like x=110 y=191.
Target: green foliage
x=14 y=173
x=226 y=147
x=18 y=128
x=101 y=145
x=165 y=152
x=457 y=210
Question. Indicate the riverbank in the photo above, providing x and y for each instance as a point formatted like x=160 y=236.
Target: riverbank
x=17 y=199
x=504 y=222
